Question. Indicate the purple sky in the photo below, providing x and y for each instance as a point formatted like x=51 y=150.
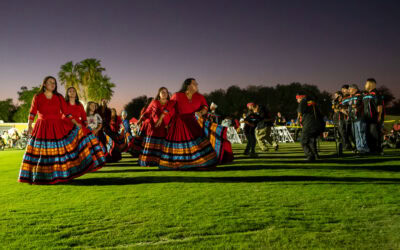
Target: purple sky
x=147 y=44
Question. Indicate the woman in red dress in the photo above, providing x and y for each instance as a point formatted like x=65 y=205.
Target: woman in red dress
x=115 y=122
x=138 y=141
x=57 y=150
x=116 y=125
x=152 y=137
x=185 y=145
x=75 y=107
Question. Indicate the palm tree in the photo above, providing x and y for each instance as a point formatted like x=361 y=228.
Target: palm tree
x=88 y=79
x=69 y=76
x=90 y=72
x=101 y=89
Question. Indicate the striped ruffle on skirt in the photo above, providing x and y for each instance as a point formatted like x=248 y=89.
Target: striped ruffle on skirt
x=126 y=140
x=186 y=146
x=103 y=148
x=137 y=144
x=112 y=144
x=150 y=152
x=58 y=160
x=217 y=135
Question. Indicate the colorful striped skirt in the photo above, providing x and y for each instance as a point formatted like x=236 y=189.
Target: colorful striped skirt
x=127 y=140
x=217 y=136
x=151 y=139
x=151 y=151
x=49 y=161
x=112 y=146
x=186 y=146
x=103 y=148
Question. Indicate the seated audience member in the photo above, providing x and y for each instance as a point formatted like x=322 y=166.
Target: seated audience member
x=280 y=120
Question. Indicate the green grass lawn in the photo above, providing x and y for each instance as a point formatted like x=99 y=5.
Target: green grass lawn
x=274 y=201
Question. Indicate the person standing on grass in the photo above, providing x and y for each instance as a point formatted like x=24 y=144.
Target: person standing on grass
x=58 y=150
x=152 y=137
x=137 y=143
x=108 y=137
x=264 y=127
x=250 y=122
x=313 y=125
x=186 y=146
x=338 y=120
x=373 y=110
x=347 y=129
x=356 y=114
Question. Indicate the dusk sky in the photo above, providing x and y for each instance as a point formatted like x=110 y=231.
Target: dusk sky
x=147 y=44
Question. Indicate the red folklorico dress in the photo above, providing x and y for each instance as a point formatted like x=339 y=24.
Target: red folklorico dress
x=58 y=150
x=152 y=137
x=186 y=146
x=78 y=113
x=115 y=126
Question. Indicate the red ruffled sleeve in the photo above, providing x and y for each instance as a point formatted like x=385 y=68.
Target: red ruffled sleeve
x=83 y=115
x=34 y=108
x=64 y=107
x=169 y=109
x=151 y=111
x=148 y=111
x=203 y=102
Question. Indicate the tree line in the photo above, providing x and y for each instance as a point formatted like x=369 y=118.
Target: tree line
x=280 y=98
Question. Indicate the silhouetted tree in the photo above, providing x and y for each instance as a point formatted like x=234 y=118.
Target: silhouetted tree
x=134 y=107
x=281 y=98
x=7 y=109
x=25 y=97
x=387 y=95
x=394 y=109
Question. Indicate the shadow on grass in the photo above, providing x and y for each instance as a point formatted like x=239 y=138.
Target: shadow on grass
x=325 y=159
x=389 y=168
x=136 y=170
x=126 y=164
x=246 y=179
x=263 y=156
x=280 y=166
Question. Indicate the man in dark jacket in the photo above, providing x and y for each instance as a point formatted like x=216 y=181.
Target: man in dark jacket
x=373 y=111
x=251 y=121
x=313 y=125
x=264 y=127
